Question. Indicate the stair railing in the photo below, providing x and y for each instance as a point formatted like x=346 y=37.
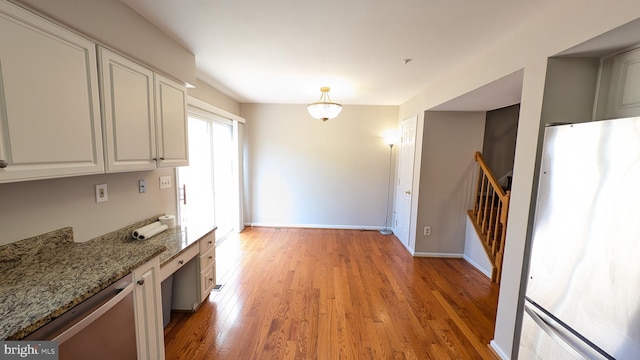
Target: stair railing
x=489 y=215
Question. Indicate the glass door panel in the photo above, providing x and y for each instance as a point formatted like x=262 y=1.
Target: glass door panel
x=196 y=180
x=225 y=193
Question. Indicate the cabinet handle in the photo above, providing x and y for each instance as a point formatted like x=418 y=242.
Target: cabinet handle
x=141 y=282
x=162 y=158
x=155 y=159
x=181 y=262
x=3 y=164
x=210 y=257
x=209 y=242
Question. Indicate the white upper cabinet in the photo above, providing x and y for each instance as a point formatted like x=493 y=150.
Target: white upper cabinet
x=128 y=112
x=144 y=116
x=49 y=106
x=171 y=122
x=624 y=90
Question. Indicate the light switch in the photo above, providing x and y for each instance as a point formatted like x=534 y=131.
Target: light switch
x=165 y=182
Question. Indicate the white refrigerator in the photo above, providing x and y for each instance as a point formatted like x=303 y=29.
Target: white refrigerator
x=583 y=286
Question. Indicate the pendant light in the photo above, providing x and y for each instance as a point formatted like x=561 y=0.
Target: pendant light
x=324 y=109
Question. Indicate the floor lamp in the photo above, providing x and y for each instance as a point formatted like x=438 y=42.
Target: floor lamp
x=386 y=230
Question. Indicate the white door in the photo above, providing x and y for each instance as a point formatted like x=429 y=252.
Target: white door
x=624 y=91
x=405 y=179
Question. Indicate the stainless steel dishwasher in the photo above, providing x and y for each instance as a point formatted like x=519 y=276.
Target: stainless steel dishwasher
x=101 y=327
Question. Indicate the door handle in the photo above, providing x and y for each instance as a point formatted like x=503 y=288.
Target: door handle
x=563 y=336
x=408 y=192
x=88 y=319
x=183 y=194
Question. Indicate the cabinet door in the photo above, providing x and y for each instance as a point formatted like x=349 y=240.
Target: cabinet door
x=171 y=122
x=148 y=311
x=207 y=264
x=129 y=124
x=49 y=107
x=624 y=90
x=207 y=282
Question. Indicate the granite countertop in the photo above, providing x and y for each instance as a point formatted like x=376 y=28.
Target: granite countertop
x=175 y=240
x=44 y=276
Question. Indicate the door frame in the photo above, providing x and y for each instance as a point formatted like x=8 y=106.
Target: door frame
x=406 y=239
x=204 y=109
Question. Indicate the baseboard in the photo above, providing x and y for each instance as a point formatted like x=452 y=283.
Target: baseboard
x=438 y=255
x=410 y=250
x=477 y=266
x=496 y=349
x=317 y=226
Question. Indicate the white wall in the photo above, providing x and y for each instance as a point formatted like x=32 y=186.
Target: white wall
x=211 y=95
x=308 y=173
x=447 y=181
x=34 y=207
x=474 y=252
x=565 y=24
x=114 y=24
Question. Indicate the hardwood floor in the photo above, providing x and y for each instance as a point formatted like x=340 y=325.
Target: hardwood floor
x=336 y=294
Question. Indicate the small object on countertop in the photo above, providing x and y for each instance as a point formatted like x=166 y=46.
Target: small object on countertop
x=138 y=232
x=153 y=231
x=168 y=220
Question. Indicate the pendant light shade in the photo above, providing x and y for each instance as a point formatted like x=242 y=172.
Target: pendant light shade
x=324 y=109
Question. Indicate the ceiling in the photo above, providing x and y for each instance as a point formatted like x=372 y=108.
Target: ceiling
x=283 y=51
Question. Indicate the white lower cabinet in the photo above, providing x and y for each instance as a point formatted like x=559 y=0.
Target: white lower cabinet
x=184 y=269
x=207 y=264
x=195 y=277
x=148 y=311
x=49 y=105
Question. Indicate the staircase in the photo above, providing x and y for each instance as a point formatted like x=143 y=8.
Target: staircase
x=489 y=215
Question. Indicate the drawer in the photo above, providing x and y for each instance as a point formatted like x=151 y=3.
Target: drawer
x=178 y=262
x=207 y=281
x=208 y=258
x=207 y=242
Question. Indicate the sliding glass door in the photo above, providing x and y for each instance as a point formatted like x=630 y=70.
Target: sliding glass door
x=207 y=191
x=223 y=184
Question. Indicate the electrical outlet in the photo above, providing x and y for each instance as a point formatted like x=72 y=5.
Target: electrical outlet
x=142 y=186
x=165 y=182
x=101 y=193
x=427 y=230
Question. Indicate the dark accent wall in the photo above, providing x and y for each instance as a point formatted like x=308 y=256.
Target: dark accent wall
x=499 y=147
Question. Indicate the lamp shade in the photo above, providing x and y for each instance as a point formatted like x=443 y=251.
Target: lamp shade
x=390 y=137
x=324 y=109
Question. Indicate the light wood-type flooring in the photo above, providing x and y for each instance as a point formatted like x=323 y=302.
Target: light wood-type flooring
x=335 y=294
